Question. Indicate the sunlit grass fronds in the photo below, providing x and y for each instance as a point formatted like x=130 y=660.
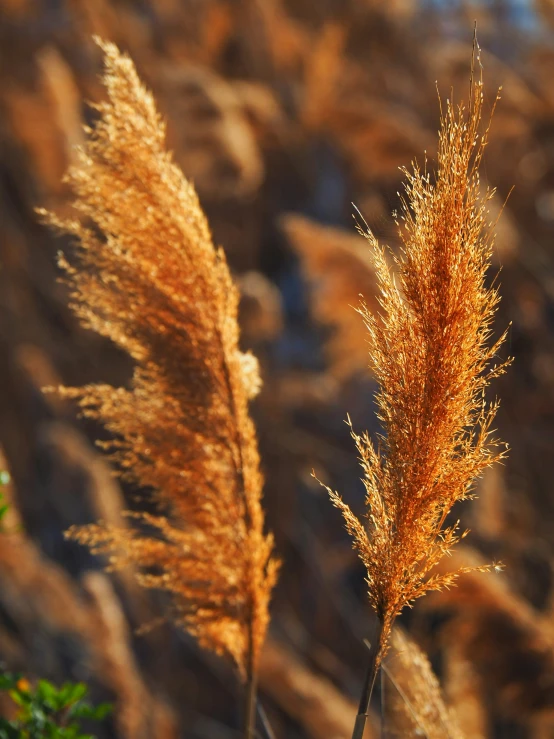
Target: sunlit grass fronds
x=430 y=350
x=147 y=276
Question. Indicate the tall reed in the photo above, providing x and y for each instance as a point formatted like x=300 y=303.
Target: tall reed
x=147 y=276
x=430 y=351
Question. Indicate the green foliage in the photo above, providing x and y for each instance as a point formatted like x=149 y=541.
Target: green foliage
x=45 y=712
x=4 y=480
x=48 y=712
x=3 y=509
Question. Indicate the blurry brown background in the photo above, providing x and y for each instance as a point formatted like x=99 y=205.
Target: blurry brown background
x=282 y=112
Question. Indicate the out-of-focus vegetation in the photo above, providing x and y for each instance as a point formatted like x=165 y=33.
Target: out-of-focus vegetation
x=282 y=112
x=4 y=477
x=47 y=712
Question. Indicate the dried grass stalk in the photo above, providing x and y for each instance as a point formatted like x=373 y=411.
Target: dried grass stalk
x=430 y=351
x=414 y=704
x=507 y=643
x=149 y=278
x=311 y=699
x=463 y=688
x=339 y=268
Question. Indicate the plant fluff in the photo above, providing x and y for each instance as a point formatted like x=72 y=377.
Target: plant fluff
x=149 y=278
x=431 y=354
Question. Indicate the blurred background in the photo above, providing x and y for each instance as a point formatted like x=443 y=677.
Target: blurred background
x=283 y=113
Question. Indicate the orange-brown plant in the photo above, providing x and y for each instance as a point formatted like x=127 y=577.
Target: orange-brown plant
x=148 y=277
x=430 y=351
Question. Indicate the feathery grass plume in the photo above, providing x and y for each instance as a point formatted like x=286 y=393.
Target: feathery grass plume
x=149 y=278
x=430 y=351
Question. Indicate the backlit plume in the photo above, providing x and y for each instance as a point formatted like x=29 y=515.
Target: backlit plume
x=147 y=276
x=431 y=354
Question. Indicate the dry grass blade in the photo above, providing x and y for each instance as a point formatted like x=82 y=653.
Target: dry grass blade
x=430 y=350
x=464 y=690
x=149 y=278
x=508 y=644
x=413 y=700
x=311 y=699
x=339 y=269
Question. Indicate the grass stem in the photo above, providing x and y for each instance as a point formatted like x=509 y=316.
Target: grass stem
x=369 y=683
x=250 y=696
x=265 y=722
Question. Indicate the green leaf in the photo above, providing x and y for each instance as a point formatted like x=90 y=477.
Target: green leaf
x=7 y=680
x=3 y=507
x=71 y=693
x=102 y=710
x=20 y=697
x=97 y=713
x=47 y=693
